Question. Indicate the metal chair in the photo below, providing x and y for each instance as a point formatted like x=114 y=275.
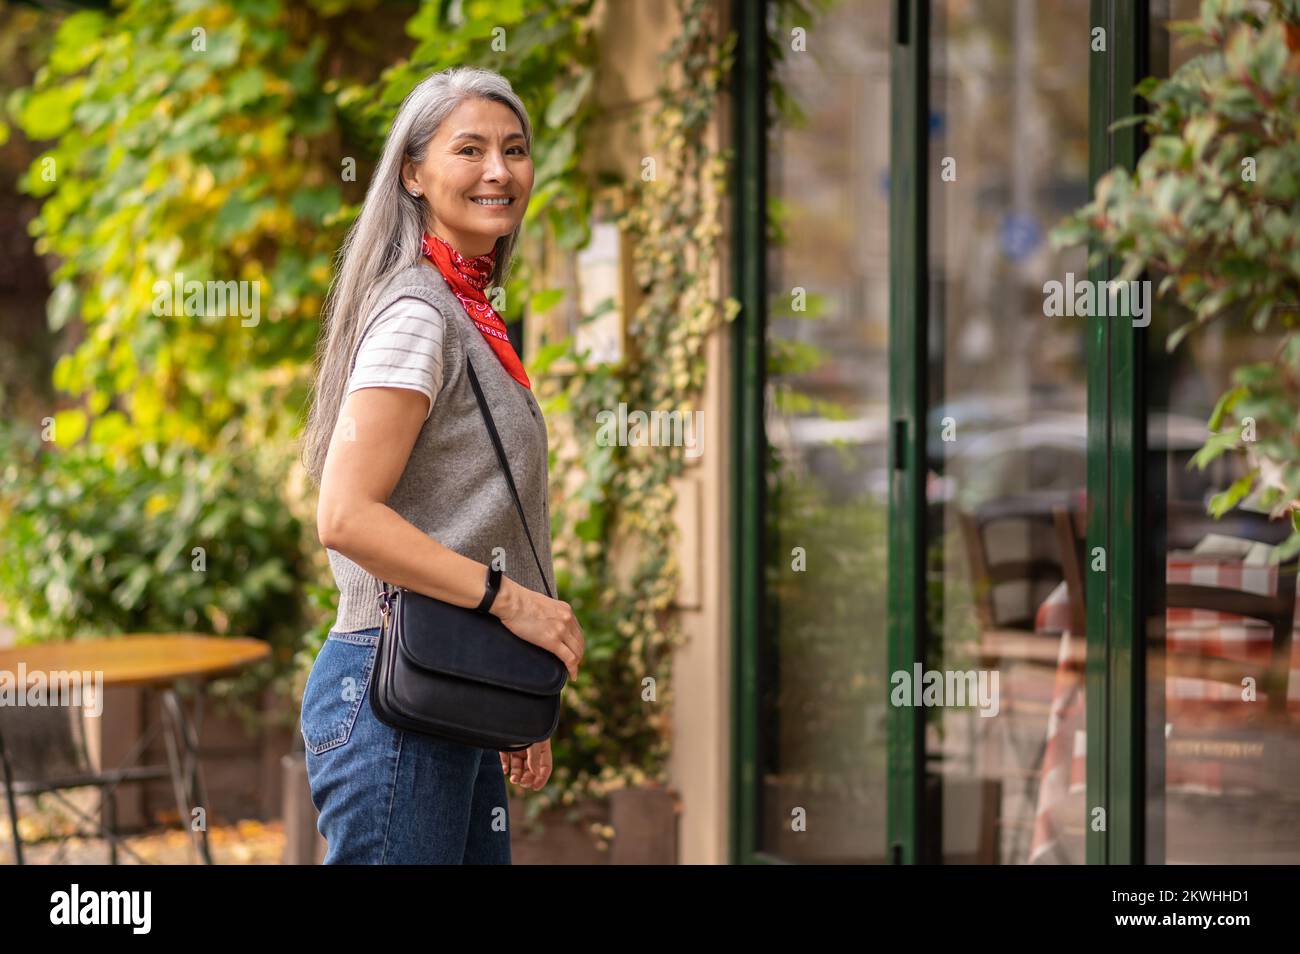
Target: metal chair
x=1038 y=567
x=43 y=751
x=989 y=572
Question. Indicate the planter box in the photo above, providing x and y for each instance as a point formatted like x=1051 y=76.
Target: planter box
x=559 y=841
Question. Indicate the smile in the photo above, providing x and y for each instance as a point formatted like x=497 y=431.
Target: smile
x=492 y=201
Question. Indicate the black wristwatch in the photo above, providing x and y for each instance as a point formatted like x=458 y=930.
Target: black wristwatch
x=493 y=587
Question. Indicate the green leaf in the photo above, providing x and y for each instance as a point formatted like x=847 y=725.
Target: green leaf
x=75 y=41
x=556 y=157
x=1127 y=121
x=547 y=354
x=1214 y=448
x=48 y=113
x=566 y=102
x=1290 y=547
x=62 y=305
x=1221 y=503
x=591 y=528
x=1178 y=334
x=1227 y=401
x=315 y=204
x=545 y=300
x=1199 y=132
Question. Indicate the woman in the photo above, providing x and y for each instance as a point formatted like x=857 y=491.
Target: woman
x=411 y=491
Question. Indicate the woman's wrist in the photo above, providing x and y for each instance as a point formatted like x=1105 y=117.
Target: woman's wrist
x=507 y=599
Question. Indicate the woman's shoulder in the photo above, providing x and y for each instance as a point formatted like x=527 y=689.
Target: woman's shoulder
x=411 y=292
x=407 y=315
x=416 y=281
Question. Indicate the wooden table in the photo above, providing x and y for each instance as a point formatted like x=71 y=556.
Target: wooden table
x=161 y=661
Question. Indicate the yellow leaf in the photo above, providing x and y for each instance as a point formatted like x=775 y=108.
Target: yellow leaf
x=69 y=427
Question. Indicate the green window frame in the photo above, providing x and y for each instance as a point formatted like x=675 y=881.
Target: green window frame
x=749 y=361
x=1116 y=442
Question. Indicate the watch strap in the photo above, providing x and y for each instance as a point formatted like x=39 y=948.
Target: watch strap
x=493 y=586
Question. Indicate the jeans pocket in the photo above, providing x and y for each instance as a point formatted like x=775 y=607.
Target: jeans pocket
x=336 y=690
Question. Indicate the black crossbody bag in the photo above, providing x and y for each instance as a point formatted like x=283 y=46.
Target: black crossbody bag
x=454 y=673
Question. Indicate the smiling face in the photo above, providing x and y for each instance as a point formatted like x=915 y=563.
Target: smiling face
x=476 y=176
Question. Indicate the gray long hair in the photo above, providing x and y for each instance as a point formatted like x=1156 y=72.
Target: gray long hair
x=385 y=238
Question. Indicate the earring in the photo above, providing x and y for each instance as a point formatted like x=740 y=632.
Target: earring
x=415 y=192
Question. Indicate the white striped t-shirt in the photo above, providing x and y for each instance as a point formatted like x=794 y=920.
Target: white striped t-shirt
x=402 y=348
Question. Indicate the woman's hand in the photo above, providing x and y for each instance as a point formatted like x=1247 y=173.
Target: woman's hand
x=529 y=768
x=542 y=621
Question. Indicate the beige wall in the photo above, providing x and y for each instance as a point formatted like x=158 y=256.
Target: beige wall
x=632 y=34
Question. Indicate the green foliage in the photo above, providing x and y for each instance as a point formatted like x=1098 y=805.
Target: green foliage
x=615 y=532
x=1213 y=207
x=547 y=50
x=838 y=691
x=193 y=138
x=93 y=547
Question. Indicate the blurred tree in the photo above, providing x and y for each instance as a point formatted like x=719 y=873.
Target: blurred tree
x=26 y=344
x=194 y=142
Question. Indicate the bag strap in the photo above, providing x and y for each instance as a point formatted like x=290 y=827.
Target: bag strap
x=505 y=467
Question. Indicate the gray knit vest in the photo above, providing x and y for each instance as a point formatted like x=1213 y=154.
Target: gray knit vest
x=453 y=488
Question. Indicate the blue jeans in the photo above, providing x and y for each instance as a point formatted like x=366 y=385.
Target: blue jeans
x=391 y=797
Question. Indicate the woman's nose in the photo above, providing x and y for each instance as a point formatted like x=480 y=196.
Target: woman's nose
x=497 y=168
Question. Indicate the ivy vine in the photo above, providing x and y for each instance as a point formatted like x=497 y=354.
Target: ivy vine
x=615 y=532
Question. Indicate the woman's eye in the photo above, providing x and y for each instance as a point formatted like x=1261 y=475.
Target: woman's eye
x=516 y=150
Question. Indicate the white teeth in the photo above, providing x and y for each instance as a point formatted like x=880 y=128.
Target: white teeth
x=492 y=201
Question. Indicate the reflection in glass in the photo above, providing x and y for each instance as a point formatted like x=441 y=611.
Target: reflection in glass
x=1007 y=433
x=823 y=689
x=1223 y=674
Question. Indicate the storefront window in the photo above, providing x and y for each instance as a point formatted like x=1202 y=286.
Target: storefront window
x=1007 y=434
x=1222 y=687
x=822 y=686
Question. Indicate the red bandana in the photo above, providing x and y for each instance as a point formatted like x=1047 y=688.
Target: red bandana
x=467 y=278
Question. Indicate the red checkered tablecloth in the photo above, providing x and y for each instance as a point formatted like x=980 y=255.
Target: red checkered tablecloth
x=1191 y=705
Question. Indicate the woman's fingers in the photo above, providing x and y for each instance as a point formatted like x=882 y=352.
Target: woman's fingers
x=569 y=658
x=516 y=766
x=578 y=641
x=571 y=648
x=530 y=768
x=539 y=758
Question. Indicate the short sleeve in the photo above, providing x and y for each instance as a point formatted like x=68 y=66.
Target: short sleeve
x=402 y=348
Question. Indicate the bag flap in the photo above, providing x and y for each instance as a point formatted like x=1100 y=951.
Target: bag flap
x=457 y=641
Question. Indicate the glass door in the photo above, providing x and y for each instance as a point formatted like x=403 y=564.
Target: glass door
x=945 y=445
x=820 y=687
x=1014 y=594
x=1006 y=436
